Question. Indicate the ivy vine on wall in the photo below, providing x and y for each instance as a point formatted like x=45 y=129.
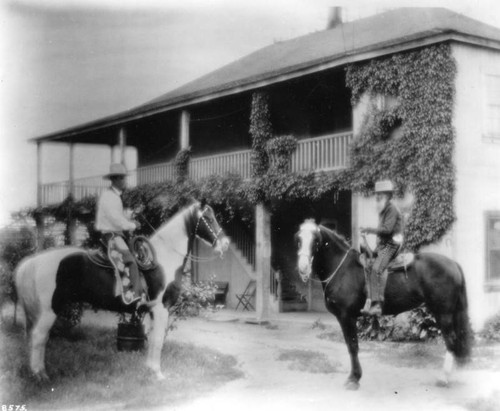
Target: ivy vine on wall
x=411 y=141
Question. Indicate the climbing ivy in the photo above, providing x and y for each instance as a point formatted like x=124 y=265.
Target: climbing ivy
x=412 y=141
x=261 y=132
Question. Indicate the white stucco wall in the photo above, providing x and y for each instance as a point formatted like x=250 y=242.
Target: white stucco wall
x=477 y=163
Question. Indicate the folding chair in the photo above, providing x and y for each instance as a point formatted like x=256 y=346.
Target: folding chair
x=245 y=299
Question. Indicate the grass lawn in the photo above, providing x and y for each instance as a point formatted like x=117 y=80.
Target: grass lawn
x=87 y=370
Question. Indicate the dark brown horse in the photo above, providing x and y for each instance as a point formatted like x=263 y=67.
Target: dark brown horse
x=48 y=281
x=432 y=279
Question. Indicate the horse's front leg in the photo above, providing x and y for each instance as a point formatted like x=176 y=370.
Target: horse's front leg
x=157 y=335
x=348 y=324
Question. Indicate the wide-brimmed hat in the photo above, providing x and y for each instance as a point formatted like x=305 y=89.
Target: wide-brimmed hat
x=384 y=186
x=116 y=170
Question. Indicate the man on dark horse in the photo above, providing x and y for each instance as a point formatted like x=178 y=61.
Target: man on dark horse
x=111 y=222
x=389 y=240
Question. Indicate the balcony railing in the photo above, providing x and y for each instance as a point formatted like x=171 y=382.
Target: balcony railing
x=325 y=153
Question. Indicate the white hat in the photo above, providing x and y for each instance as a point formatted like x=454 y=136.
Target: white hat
x=116 y=169
x=384 y=186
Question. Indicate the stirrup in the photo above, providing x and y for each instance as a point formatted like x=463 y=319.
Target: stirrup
x=130 y=300
x=376 y=309
x=366 y=309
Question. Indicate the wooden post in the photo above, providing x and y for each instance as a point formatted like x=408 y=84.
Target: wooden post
x=263 y=261
x=184 y=136
x=122 y=142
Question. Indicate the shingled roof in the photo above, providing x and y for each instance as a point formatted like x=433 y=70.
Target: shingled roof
x=382 y=34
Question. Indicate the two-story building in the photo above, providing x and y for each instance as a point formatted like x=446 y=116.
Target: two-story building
x=305 y=79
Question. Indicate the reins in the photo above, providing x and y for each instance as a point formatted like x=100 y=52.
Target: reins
x=188 y=256
x=327 y=281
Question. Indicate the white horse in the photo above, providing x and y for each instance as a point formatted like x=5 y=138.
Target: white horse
x=46 y=282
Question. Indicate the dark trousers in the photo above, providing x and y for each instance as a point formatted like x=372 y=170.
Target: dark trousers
x=378 y=278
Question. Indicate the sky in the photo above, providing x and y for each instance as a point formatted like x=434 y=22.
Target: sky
x=66 y=62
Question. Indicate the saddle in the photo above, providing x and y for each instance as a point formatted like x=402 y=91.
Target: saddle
x=402 y=261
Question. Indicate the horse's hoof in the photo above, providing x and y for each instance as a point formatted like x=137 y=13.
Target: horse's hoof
x=41 y=377
x=351 y=385
x=443 y=382
x=159 y=376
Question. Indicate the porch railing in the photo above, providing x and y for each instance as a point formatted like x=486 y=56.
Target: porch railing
x=237 y=162
x=156 y=173
x=54 y=193
x=324 y=153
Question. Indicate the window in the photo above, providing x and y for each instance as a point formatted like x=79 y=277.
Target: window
x=493 y=248
x=492 y=108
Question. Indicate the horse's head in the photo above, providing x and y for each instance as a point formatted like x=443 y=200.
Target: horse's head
x=207 y=228
x=308 y=241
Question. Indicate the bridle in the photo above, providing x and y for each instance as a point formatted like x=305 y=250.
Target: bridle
x=311 y=259
x=202 y=218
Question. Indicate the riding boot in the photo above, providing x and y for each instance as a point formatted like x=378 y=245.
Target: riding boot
x=378 y=303
x=368 y=289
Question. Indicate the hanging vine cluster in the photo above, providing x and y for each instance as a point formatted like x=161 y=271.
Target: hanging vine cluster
x=412 y=140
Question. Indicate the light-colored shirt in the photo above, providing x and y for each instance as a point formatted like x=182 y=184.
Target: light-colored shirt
x=110 y=215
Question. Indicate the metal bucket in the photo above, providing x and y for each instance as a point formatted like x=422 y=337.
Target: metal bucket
x=130 y=337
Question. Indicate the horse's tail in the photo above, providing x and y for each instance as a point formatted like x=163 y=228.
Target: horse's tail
x=24 y=281
x=462 y=326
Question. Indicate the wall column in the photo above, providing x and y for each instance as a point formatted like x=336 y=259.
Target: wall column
x=358 y=115
x=39 y=219
x=70 y=220
x=184 y=136
x=263 y=261
x=122 y=142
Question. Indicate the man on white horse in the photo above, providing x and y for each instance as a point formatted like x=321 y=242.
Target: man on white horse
x=111 y=222
x=389 y=240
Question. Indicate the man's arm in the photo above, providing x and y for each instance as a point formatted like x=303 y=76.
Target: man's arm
x=112 y=209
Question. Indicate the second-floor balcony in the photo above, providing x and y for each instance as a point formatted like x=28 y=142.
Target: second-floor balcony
x=324 y=153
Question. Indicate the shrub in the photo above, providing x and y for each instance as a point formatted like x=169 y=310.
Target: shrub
x=491 y=329
x=418 y=325
x=15 y=244
x=194 y=298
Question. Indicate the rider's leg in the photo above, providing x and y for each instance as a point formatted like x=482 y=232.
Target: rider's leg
x=385 y=255
x=133 y=270
x=368 y=290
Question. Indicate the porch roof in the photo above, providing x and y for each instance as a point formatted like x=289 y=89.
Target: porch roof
x=386 y=33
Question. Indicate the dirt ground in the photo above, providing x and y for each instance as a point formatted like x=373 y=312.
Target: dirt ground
x=396 y=376
x=389 y=381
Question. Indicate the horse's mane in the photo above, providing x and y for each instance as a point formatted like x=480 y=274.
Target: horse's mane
x=328 y=231
x=339 y=237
